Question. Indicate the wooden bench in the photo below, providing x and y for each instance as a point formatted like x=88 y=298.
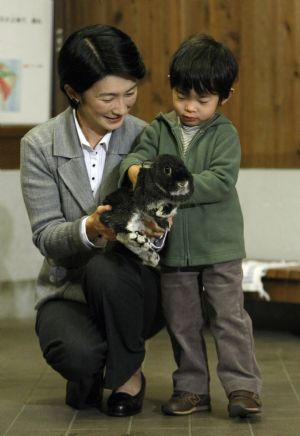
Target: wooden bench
x=283 y=284
x=282 y=312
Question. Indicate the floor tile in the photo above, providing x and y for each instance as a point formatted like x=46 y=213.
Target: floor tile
x=32 y=394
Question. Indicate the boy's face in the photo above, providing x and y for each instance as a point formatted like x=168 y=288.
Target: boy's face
x=194 y=109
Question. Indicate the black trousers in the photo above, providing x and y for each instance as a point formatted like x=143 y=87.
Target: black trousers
x=123 y=310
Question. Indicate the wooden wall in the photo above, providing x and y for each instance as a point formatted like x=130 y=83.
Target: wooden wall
x=264 y=35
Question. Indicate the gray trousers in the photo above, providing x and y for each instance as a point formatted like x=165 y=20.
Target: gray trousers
x=183 y=295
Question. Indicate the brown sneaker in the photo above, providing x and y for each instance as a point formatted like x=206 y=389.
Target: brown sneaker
x=243 y=403
x=184 y=403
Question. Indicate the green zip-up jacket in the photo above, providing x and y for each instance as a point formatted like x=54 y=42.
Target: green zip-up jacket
x=208 y=229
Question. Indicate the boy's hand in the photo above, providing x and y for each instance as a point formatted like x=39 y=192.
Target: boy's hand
x=152 y=229
x=133 y=172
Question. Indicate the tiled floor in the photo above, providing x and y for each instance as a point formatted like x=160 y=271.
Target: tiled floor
x=32 y=395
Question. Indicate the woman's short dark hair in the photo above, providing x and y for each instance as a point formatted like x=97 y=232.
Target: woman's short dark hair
x=91 y=53
x=205 y=65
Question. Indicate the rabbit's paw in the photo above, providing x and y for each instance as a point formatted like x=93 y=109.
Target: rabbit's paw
x=140 y=240
x=152 y=259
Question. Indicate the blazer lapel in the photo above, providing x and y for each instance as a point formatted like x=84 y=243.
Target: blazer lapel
x=75 y=177
x=71 y=167
x=113 y=149
x=114 y=155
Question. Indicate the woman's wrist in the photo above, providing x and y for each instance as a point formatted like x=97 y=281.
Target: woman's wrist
x=91 y=232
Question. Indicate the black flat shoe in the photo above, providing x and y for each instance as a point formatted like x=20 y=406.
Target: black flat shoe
x=85 y=394
x=122 y=404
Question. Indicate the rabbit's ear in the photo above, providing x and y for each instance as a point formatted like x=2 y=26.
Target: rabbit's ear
x=140 y=186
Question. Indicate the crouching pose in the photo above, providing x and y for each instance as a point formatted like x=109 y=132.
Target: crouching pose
x=94 y=310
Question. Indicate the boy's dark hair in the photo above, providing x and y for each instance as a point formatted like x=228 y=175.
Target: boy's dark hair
x=205 y=65
x=91 y=53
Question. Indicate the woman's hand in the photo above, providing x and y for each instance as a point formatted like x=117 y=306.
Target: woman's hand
x=95 y=228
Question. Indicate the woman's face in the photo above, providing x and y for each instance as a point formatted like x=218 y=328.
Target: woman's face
x=103 y=106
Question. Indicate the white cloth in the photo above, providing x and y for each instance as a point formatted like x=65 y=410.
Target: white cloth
x=254 y=271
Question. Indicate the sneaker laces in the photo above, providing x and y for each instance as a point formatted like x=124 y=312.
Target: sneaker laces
x=194 y=399
x=246 y=395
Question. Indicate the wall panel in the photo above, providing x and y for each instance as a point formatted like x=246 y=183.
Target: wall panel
x=263 y=34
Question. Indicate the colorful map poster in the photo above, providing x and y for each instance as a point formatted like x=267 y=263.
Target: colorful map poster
x=25 y=61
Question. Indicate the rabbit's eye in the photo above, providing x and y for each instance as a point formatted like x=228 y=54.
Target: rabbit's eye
x=168 y=171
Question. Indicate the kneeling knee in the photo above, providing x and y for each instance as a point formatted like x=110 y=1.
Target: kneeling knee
x=73 y=361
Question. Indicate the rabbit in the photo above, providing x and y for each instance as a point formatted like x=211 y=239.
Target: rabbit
x=162 y=185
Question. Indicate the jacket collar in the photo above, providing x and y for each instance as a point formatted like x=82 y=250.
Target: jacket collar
x=172 y=120
x=66 y=142
x=71 y=167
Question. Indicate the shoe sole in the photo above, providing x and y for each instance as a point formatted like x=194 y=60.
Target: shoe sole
x=123 y=415
x=186 y=412
x=238 y=411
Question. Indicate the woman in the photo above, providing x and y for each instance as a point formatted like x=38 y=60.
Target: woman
x=94 y=309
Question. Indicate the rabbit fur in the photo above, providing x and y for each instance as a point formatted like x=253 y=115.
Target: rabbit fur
x=162 y=185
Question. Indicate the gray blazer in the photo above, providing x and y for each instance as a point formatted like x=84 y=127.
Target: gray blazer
x=57 y=195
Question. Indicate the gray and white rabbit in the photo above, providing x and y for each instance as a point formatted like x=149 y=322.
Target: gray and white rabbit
x=162 y=185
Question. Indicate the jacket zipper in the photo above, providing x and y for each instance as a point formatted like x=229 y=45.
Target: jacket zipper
x=185 y=242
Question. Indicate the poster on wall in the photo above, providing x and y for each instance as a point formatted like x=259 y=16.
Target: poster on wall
x=25 y=61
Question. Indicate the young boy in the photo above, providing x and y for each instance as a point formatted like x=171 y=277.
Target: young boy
x=202 y=259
